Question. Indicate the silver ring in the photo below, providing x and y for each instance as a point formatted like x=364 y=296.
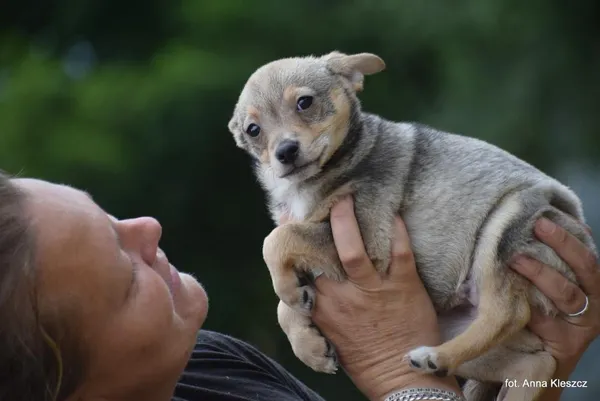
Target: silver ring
x=317 y=274
x=582 y=311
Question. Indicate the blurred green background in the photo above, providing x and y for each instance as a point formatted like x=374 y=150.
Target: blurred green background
x=130 y=100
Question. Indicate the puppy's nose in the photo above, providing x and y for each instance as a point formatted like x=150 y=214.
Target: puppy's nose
x=287 y=151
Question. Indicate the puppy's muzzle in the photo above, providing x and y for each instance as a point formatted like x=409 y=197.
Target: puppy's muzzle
x=287 y=151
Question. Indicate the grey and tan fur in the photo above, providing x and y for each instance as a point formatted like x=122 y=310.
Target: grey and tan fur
x=468 y=206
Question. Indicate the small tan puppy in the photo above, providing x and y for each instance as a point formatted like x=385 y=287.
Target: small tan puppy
x=469 y=207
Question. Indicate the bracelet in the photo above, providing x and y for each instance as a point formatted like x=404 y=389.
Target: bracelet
x=417 y=394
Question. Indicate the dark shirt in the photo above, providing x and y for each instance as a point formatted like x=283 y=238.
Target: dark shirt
x=223 y=368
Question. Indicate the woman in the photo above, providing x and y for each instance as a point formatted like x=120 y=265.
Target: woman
x=91 y=309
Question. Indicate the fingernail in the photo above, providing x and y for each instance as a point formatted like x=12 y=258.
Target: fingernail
x=345 y=200
x=520 y=263
x=545 y=226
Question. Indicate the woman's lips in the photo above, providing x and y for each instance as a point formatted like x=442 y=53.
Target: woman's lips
x=168 y=272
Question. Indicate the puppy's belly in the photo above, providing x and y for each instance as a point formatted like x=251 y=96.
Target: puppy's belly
x=456 y=320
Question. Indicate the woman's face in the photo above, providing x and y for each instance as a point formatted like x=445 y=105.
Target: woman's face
x=136 y=315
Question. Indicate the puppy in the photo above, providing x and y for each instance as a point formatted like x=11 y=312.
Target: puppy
x=469 y=207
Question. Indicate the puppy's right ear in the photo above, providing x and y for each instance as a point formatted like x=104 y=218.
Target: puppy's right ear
x=232 y=125
x=234 y=128
x=355 y=66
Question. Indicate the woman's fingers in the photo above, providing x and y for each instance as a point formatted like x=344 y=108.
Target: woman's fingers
x=567 y=297
x=542 y=324
x=402 y=265
x=583 y=262
x=349 y=244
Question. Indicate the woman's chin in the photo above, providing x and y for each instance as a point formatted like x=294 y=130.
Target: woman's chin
x=197 y=298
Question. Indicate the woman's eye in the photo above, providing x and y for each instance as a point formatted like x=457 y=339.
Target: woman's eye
x=304 y=102
x=136 y=266
x=253 y=130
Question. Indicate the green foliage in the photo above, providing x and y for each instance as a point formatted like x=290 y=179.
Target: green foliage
x=130 y=100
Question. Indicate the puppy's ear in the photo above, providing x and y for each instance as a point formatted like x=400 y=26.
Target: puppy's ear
x=234 y=127
x=354 y=67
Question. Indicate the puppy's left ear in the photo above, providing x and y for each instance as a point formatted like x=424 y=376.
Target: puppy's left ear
x=354 y=67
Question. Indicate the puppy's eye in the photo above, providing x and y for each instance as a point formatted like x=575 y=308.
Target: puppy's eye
x=253 y=130
x=304 y=102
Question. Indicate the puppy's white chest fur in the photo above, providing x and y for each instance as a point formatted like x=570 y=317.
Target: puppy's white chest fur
x=298 y=204
x=293 y=201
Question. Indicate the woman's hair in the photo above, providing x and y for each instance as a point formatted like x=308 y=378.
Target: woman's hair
x=39 y=361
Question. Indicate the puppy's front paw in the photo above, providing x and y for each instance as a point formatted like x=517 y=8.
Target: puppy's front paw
x=314 y=350
x=296 y=292
x=428 y=360
x=308 y=344
x=302 y=299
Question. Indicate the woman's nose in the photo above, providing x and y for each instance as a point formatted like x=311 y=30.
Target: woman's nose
x=141 y=235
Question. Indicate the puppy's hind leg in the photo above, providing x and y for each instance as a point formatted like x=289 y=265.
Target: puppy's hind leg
x=503 y=307
x=537 y=371
x=524 y=373
x=503 y=310
x=306 y=340
x=474 y=390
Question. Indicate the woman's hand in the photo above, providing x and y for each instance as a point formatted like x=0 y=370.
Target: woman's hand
x=566 y=338
x=374 y=320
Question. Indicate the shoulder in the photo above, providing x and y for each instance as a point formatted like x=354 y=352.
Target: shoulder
x=223 y=368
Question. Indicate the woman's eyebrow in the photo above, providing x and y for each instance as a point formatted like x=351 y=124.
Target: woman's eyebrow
x=110 y=216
